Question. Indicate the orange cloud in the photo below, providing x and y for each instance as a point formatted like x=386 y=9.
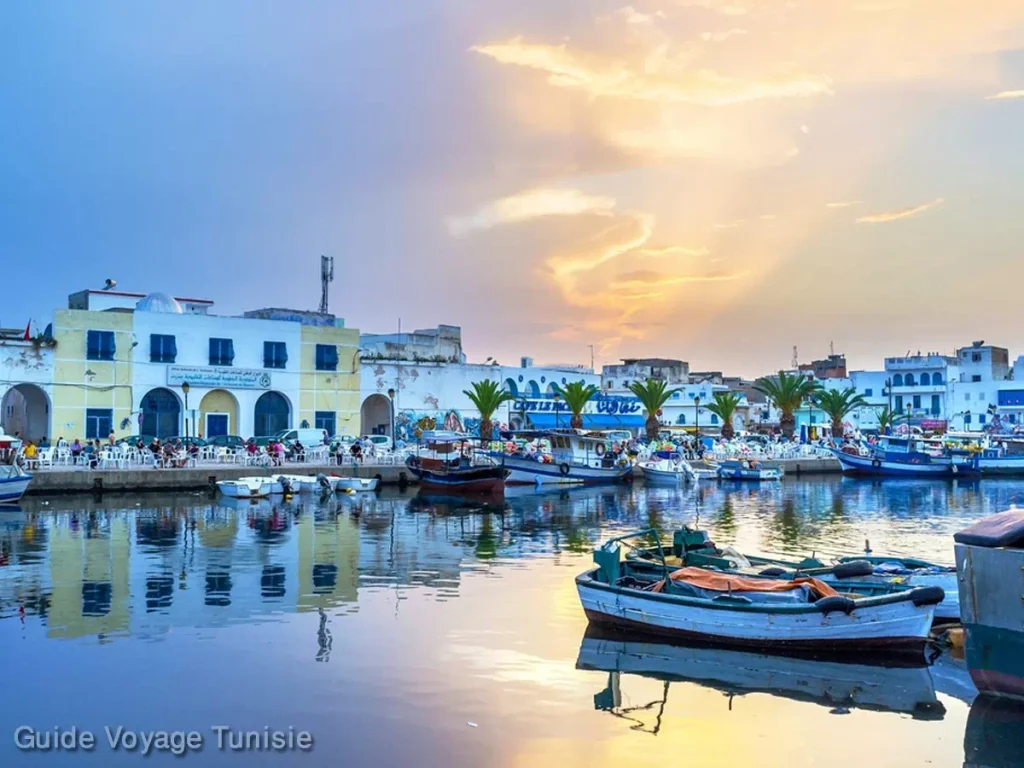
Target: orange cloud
x=903 y=213
x=846 y=204
x=667 y=251
x=532 y=204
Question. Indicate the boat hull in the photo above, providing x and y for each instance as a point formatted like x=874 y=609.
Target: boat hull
x=665 y=477
x=1003 y=467
x=875 y=622
x=237 y=489
x=871 y=466
x=12 y=489
x=362 y=484
x=469 y=480
x=524 y=471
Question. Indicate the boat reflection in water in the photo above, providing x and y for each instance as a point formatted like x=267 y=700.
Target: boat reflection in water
x=994 y=737
x=840 y=685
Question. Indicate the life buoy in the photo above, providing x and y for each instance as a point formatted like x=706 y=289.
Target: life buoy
x=563 y=468
x=600 y=449
x=876 y=463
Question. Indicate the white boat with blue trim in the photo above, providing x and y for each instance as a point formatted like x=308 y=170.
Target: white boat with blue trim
x=576 y=457
x=13 y=482
x=668 y=468
x=905 y=457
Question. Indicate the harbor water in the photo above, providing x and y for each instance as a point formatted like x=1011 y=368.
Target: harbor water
x=405 y=629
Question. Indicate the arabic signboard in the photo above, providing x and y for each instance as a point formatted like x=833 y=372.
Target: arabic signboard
x=609 y=404
x=217 y=378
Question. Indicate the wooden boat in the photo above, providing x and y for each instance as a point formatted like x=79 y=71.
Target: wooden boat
x=446 y=460
x=829 y=681
x=247 y=487
x=13 y=482
x=865 y=575
x=666 y=468
x=576 y=458
x=698 y=603
x=905 y=457
x=748 y=469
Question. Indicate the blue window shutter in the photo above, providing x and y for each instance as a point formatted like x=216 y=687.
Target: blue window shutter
x=282 y=354
x=156 y=351
x=92 y=345
x=214 y=351
x=268 y=354
x=332 y=357
x=230 y=351
x=171 y=349
x=319 y=363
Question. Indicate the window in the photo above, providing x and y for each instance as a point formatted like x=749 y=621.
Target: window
x=976 y=357
x=917 y=402
x=714 y=418
x=98 y=423
x=936 y=405
x=981 y=418
x=326 y=357
x=967 y=395
x=899 y=402
x=936 y=378
x=99 y=345
x=981 y=395
x=162 y=349
x=275 y=354
x=897 y=380
x=926 y=380
x=967 y=418
x=1012 y=418
x=910 y=380
x=868 y=392
x=976 y=377
x=222 y=351
x=325 y=420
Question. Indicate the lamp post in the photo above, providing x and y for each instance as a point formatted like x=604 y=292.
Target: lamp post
x=557 y=415
x=184 y=390
x=391 y=399
x=696 y=418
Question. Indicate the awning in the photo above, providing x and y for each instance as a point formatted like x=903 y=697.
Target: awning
x=590 y=421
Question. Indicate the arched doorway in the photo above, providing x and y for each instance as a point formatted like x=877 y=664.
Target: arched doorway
x=218 y=414
x=25 y=410
x=273 y=414
x=161 y=414
x=375 y=416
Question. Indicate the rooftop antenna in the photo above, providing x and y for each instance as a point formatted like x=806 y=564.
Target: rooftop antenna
x=796 y=360
x=326 y=278
x=832 y=348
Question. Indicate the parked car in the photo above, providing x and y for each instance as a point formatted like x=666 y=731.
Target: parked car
x=310 y=438
x=380 y=442
x=140 y=441
x=227 y=441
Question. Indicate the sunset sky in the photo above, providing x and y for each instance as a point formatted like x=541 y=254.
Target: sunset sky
x=716 y=180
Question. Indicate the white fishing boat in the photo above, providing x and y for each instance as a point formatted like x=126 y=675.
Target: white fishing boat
x=248 y=487
x=699 y=603
x=668 y=470
x=307 y=483
x=359 y=484
x=575 y=458
x=13 y=482
x=748 y=469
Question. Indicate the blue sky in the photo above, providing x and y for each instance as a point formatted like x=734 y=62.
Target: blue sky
x=705 y=179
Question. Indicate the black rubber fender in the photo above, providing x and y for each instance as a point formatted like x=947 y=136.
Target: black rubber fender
x=931 y=595
x=853 y=569
x=773 y=571
x=563 y=468
x=835 y=603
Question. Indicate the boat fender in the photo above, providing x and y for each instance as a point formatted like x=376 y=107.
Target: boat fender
x=563 y=468
x=954 y=469
x=931 y=595
x=599 y=450
x=773 y=571
x=853 y=569
x=876 y=463
x=835 y=603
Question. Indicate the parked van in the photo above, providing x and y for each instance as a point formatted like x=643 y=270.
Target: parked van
x=310 y=438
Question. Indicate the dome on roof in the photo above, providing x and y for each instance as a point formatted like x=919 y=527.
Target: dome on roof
x=159 y=302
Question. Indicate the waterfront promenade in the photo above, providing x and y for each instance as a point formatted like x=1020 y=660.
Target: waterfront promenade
x=72 y=479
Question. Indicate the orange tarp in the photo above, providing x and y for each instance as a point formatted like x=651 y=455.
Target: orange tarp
x=724 y=582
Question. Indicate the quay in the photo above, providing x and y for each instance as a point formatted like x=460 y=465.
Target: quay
x=60 y=480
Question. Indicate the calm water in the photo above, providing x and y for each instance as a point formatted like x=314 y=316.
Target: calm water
x=413 y=631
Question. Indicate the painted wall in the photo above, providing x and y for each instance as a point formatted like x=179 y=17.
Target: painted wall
x=21 y=410
x=335 y=391
x=79 y=383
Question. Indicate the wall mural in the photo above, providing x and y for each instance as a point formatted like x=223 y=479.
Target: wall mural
x=409 y=425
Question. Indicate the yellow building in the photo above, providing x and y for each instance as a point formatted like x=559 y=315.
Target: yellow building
x=324 y=391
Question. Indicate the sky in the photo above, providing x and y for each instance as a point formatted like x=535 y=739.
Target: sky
x=713 y=180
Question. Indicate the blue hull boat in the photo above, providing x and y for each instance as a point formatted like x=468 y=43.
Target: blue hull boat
x=907 y=465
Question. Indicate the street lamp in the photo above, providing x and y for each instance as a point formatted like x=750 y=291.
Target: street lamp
x=184 y=390
x=391 y=398
x=557 y=415
x=696 y=418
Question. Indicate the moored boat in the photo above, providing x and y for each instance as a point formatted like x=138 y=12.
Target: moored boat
x=665 y=468
x=247 y=487
x=576 y=458
x=447 y=460
x=13 y=482
x=364 y=484
x=306 y=483
x=748 y=469
x=699 y=603
x=905 y=457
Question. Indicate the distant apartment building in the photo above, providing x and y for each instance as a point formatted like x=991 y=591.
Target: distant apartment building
x=832 y=367
x=619 y=377
x=440 y=345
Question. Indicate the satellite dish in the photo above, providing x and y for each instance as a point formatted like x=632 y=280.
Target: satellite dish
x=110 y=284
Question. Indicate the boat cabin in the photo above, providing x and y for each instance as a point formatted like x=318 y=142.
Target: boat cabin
x=581 y=448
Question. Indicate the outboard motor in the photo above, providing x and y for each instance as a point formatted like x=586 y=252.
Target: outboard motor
x=286 y=485
x=325 y=484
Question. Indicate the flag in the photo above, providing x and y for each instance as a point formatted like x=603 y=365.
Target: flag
x=28 y=331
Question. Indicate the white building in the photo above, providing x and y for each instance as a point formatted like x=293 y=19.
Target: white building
x=440 y=345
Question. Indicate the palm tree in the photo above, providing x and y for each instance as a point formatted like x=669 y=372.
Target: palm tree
x=788 y=391
x=724 y=407
x=837 y=404
x=653 y=394
x=487 y=396
x=576 y=395
x=886 y=419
